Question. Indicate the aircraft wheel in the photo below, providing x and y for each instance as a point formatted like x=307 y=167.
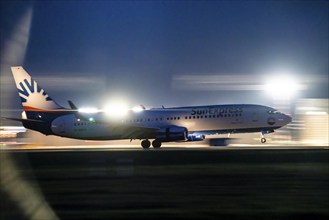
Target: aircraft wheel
x=263 y=140
x=156 y=143
x=146 y=144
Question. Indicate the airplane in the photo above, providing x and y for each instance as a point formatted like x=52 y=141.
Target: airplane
x=175 y=124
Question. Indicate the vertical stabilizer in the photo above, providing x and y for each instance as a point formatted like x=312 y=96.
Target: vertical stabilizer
x=33 y=97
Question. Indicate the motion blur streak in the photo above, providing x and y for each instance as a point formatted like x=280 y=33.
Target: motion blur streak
x=68 y=83
x=312 y=122
x=13 y=53
x=216 y=82
x=15 y=47
x=27 y=197
x=24 y=193
x=230 y=82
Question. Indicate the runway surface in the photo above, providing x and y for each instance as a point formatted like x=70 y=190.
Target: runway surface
x=167 y=147
x=170 y=183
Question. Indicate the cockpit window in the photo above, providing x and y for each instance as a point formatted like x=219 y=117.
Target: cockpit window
x=273 y=111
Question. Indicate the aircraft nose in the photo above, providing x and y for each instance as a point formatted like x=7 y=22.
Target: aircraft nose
x=284 y=119
x=287 y=118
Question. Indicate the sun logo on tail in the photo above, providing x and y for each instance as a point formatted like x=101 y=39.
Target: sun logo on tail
x=31 y=89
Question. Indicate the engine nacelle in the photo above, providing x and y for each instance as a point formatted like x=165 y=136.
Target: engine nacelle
x=194 y=137
x=172 y=134
x=58 y=126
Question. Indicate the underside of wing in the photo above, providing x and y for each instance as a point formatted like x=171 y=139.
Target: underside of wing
x=134 y=132
x=23 y=120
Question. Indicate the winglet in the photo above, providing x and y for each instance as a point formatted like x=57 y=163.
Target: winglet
x=72 y=105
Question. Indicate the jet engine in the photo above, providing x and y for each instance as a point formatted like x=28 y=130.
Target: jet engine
x=195 y=137
x=174 y=133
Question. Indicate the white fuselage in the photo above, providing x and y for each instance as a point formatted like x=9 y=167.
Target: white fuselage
x=201 y=120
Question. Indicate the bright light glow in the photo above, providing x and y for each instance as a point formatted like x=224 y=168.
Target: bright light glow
x=307 y=108
x=282 y=87
x=316 y=113
x=116 y=109
x=11 y=129
x=138 y=108
x=88 y=110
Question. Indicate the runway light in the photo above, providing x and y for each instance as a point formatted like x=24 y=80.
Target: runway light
x=282 y=87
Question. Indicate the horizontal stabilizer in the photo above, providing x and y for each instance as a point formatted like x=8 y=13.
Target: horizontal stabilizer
x=23 y=120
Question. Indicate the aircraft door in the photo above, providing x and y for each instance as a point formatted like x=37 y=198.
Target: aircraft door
x=254 y=117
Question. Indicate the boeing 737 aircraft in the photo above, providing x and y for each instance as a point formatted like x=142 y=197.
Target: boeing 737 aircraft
x=41 y=113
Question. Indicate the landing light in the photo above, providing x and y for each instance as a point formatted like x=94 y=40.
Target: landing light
x=116 y=110
x=137 y=109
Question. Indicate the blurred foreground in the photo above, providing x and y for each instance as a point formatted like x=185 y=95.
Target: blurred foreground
x=165 y=184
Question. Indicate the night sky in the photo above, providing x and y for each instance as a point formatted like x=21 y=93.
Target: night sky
x=92 y=51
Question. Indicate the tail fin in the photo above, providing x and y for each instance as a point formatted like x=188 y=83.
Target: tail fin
x=33 y=97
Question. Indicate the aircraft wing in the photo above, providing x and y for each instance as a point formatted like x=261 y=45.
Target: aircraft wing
x=134 y=132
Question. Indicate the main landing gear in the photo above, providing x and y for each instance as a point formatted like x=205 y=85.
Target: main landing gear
x=156 y=143
x=146 y=144
x=263 y=140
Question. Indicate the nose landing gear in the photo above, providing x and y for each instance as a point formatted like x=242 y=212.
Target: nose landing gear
x=263 y=140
